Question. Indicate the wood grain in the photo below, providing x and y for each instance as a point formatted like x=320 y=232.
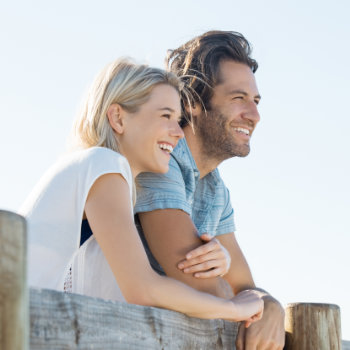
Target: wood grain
x=14 y=322
x=61 y=321
x=311 y=326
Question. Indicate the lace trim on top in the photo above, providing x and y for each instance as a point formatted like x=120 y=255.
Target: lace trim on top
x=68 y=283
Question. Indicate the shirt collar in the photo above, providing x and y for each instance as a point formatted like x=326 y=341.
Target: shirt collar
x=183 y=155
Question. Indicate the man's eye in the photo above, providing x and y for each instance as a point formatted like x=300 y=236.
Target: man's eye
x=168 y=116
x=257 y=102
x=238 y=98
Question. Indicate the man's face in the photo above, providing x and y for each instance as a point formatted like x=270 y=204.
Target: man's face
x=226 y=129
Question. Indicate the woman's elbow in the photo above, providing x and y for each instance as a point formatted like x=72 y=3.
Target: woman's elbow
x=139 y=299
x=144 y=293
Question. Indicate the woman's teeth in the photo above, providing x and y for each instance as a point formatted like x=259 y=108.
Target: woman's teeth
x=166 y=147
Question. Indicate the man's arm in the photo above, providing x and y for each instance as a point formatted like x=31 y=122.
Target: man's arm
x=239 y=276
x=171 y=234
x=267 y=333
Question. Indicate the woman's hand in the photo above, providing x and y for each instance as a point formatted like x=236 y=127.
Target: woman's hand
x=209 y=260
x=249 y=306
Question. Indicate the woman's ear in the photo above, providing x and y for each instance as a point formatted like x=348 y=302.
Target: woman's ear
x=115 y=114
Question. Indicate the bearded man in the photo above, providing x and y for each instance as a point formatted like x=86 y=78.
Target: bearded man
x=174 y=211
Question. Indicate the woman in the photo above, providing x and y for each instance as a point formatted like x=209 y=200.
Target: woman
x=128 y=124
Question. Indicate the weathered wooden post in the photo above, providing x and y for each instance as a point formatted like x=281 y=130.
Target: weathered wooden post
x=311 y=326
x=14 y=321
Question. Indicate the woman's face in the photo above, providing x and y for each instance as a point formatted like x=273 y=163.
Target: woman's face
x=152 y=132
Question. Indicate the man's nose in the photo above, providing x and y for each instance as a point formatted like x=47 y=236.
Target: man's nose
x=253 y=113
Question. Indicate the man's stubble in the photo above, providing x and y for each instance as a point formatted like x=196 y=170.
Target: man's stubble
x=217 y=137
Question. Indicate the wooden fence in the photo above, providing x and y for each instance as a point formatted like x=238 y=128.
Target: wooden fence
x=48 y=320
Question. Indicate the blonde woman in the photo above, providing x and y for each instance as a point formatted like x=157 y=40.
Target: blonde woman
x=128 y=124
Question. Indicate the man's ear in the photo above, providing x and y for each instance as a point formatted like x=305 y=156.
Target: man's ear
x=115 y=115
x=195 y=109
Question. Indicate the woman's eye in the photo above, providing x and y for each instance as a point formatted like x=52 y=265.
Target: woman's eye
x=168 y=116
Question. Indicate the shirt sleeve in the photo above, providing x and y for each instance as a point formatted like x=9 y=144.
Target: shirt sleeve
x=162 y=191
x=226 y=224
x=100 y=161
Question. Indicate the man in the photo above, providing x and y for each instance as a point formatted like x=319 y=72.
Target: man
x=175 y=209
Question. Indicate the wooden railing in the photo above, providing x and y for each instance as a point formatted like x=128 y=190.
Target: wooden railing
x=51 y=320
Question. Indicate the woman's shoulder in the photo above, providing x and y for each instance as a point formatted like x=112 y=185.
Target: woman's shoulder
x=102 y=160
x=98 y=153
x=88 y=164
x=98 y=156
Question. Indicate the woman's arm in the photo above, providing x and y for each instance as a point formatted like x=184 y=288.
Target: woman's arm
x=108 y=210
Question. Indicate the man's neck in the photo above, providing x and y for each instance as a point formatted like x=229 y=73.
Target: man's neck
x=204 y=163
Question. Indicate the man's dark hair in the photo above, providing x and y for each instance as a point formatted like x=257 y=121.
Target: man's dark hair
x=197 y=62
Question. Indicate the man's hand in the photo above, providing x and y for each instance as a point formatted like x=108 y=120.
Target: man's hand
x=266 y=334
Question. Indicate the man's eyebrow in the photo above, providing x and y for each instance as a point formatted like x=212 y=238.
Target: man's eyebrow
x=233 y=92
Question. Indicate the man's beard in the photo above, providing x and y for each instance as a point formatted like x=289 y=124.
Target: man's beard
x=217 y=141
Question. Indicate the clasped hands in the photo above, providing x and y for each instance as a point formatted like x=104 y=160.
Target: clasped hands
x=212 y=260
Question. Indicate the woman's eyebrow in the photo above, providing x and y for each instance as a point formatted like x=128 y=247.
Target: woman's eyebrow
x=166 y=109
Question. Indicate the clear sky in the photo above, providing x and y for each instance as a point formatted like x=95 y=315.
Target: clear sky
x=291 y=194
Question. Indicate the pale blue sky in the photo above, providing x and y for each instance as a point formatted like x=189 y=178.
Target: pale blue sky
x=291 y=194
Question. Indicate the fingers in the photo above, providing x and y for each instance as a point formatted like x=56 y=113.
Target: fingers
x=207 y=269
x=249 y=306
x=253 y=319
x=207 y=265
x=211 y=273
x=265 y=335
x=211 y=268
x=209 y=260
x=240 y=337
x=204 y=249
x=211 y=256
x=206 y=237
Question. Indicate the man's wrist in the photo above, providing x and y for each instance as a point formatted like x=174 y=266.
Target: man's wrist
x=265 y=295
x=271 y=303
x=260 y=290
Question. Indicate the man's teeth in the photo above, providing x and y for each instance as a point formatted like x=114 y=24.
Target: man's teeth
x=244 y=131
x=166 y=147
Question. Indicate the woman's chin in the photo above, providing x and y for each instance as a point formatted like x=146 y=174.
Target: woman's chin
x=161 y=169
x=164 y=170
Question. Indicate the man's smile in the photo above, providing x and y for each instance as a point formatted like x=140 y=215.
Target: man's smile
x=242 y=130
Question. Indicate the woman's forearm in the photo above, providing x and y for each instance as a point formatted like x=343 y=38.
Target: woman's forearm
x=171 y=294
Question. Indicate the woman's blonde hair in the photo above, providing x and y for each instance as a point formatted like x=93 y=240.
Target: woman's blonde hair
x=122 y=82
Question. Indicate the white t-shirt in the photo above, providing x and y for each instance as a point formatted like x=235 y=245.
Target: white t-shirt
x=54 y=212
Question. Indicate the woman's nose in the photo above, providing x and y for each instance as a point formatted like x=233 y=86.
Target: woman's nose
x=177 y=131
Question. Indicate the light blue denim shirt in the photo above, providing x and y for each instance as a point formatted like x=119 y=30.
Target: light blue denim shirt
x=206 y=200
